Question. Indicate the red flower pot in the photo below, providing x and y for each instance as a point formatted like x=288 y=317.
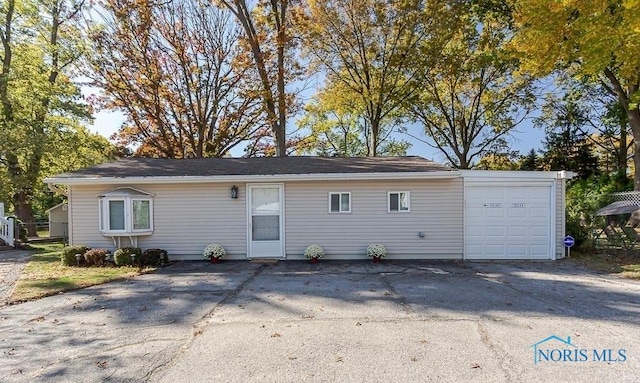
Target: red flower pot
x=214 y=260
x=376 y=259
x=314 y=260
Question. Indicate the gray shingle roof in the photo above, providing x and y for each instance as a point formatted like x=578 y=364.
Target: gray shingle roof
x=210 y=167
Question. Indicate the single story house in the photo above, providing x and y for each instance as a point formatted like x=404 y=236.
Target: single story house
x=58 y=220
x=275 y=207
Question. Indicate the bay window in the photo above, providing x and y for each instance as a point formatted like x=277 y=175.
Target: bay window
x=126 y=211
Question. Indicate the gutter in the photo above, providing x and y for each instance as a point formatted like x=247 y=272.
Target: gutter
x=252 y=178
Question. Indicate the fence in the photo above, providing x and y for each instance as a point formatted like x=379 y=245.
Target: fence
x=7 y=231
x=42 y=229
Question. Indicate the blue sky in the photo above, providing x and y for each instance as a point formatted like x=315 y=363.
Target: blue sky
x=524 y=138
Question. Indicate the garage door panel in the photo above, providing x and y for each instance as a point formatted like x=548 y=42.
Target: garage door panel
x=517 y=250
x=539 y=231
x=539 y=252
x=507 y=222
x=517 y=231
x=495 y=249
x=495 y=231
x=517 y=213
x=495 y=213
x=539 y=212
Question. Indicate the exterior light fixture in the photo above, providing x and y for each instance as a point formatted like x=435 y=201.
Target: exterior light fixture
x=234 y=192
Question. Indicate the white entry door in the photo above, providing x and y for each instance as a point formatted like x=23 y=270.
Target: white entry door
x=265 y=220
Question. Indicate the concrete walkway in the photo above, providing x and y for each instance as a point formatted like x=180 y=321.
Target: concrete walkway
x=12 y=262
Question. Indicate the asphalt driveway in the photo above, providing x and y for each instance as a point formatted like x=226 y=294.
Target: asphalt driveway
x=335 y=321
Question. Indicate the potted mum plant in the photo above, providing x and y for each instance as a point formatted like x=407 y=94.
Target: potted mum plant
x=314 y=253
x=376 y=252
x=214 y=252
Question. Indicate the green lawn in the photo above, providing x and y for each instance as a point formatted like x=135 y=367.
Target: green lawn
x=610 y=261
x=45 y=275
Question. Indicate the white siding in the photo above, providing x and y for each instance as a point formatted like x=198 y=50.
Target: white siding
x=560 y=218
x=436 y=210
x=58 y=218
x=186 y=219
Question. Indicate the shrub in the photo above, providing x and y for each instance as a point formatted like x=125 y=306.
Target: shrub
x=584 y=198
x=376 y=251
x=214 y=251
x=314 y=251
x=68 y=254
x=95 y=257
x=154 y=257
x=123 y=255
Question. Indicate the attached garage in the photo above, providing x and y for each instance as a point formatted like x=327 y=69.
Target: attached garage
x=513 y=215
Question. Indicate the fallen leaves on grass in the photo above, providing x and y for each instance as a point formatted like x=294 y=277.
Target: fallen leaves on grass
x=44 y=275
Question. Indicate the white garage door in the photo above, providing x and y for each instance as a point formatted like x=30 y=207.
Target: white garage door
x=507 y=222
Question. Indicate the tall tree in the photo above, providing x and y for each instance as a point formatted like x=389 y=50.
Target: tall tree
x=567 y=147
x=40 y=104
x=268 y=36
x=595 y=115
x=337 y=125
x=173 y=69
x=597 y=39
x=498 y=161
x=472 y=98
x=373 y=48
x=530 y=161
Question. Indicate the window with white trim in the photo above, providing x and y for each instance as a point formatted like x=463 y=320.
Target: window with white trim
x=398 y=201
x=340 y=202
x=126 y=211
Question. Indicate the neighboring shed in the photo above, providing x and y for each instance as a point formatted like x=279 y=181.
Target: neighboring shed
x=275 y=207
x=58 y=220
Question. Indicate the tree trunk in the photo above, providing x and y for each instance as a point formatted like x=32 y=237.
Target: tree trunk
x=375 y=132
x=279 y=138
x=24 y=211
x=280 y=131
x=634 y=123
x=22 y=198
x=275 y=113
x=621 y=165
x=633 y=113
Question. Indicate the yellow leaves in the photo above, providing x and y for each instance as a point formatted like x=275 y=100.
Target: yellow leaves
x=597 y=34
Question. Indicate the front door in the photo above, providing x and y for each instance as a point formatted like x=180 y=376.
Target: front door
x=265 y=221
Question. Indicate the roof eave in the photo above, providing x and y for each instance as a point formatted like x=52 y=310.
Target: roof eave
x=514 y=174
x=446 y=174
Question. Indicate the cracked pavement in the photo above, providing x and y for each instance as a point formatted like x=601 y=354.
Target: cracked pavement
x=333 y=321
